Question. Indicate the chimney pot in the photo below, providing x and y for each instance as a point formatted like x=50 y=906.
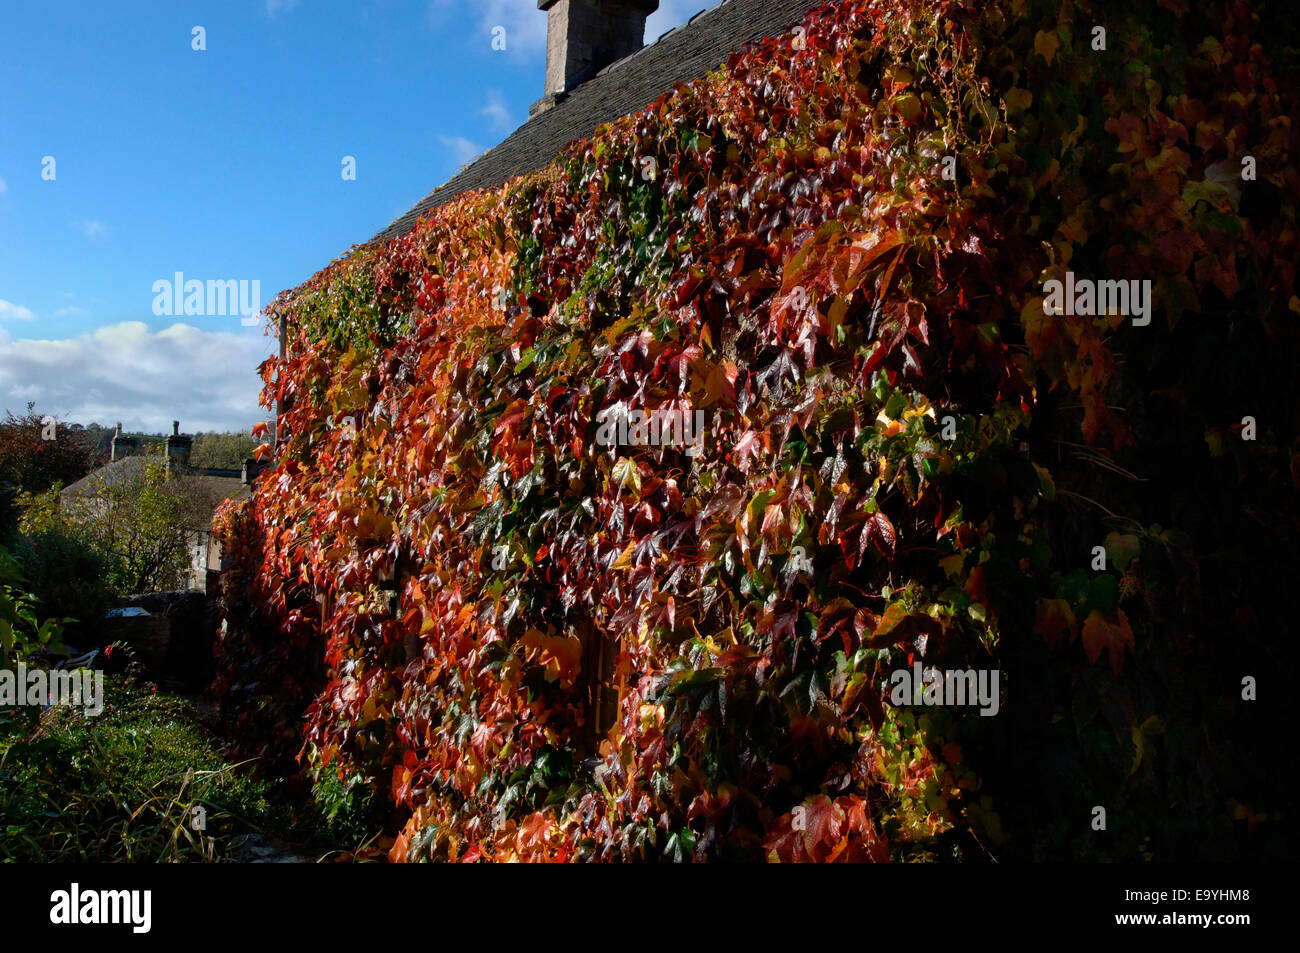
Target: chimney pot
x=177 y=448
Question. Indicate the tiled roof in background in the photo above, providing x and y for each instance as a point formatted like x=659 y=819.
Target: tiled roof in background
x=122 y=470
x=683 y=54
x=211 y=486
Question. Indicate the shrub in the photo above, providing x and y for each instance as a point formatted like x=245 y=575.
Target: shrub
x=25 y=632
x=67 y=575
x=138 y=524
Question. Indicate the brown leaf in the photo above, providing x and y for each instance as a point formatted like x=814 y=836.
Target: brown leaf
x=1100 y=633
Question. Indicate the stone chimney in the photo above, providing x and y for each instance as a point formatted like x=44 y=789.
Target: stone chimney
x=585 y=36
x=122 y=446
x=178 y=449
x=251 y=470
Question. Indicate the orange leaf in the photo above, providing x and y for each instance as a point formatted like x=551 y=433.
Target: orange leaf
x=1047 y=44
x=819 y=820
x=1054 y=617
x=1100 y=633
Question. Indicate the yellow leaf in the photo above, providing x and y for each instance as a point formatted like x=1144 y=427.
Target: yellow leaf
x=1047 y=44
x=1141 y=735
x=952 y=565
x=1070 y=138
x=1019 y=99
x=624 y=560
x=922 y=409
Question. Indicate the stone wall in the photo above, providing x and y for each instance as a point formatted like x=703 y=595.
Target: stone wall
x=174 y=641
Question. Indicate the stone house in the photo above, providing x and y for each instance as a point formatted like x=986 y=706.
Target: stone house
x=207 y=488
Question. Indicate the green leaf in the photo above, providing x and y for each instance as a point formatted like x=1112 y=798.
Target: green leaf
x=1103 y=593
x=1121 y=549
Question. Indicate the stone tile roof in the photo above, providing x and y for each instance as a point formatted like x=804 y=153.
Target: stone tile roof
x=207 y=486
x=122 y=470
x=215 y=488
x=680 y=55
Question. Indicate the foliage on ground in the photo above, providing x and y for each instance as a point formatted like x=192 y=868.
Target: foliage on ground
x=122 y=786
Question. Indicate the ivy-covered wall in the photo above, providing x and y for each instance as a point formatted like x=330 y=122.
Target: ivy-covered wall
x=839 y=249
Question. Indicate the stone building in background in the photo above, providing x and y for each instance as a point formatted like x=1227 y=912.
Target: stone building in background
x=206 y=488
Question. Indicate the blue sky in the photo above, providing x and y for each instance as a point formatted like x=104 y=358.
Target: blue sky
x=222 y=164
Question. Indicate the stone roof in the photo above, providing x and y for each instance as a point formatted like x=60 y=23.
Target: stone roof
x=680 y=55
x=110 y=474
x=209 y=486
x=216 y=488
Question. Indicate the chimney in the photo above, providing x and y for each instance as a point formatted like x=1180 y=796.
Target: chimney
x=122 y=446
x=251 y=470
x=178 y=449
x=585 y=36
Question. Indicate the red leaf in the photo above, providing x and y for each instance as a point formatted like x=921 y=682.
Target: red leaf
x=882 y=533
x=746 y=447
x=1114 y=637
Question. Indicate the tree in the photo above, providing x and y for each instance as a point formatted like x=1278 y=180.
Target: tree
x=36 y=453
x=226 y=451
x=141 y=521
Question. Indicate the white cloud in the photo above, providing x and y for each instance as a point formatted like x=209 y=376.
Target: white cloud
x=497 y=111
x=205 y=379
x=461 y=149
x=71 y=311
x=4 y=186
x=280 y=6
x=91 y=227
x=14 y=312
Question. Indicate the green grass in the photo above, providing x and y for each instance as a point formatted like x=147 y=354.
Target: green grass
x=121 y=786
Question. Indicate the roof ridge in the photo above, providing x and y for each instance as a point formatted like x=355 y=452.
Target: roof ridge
x=688 y=51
